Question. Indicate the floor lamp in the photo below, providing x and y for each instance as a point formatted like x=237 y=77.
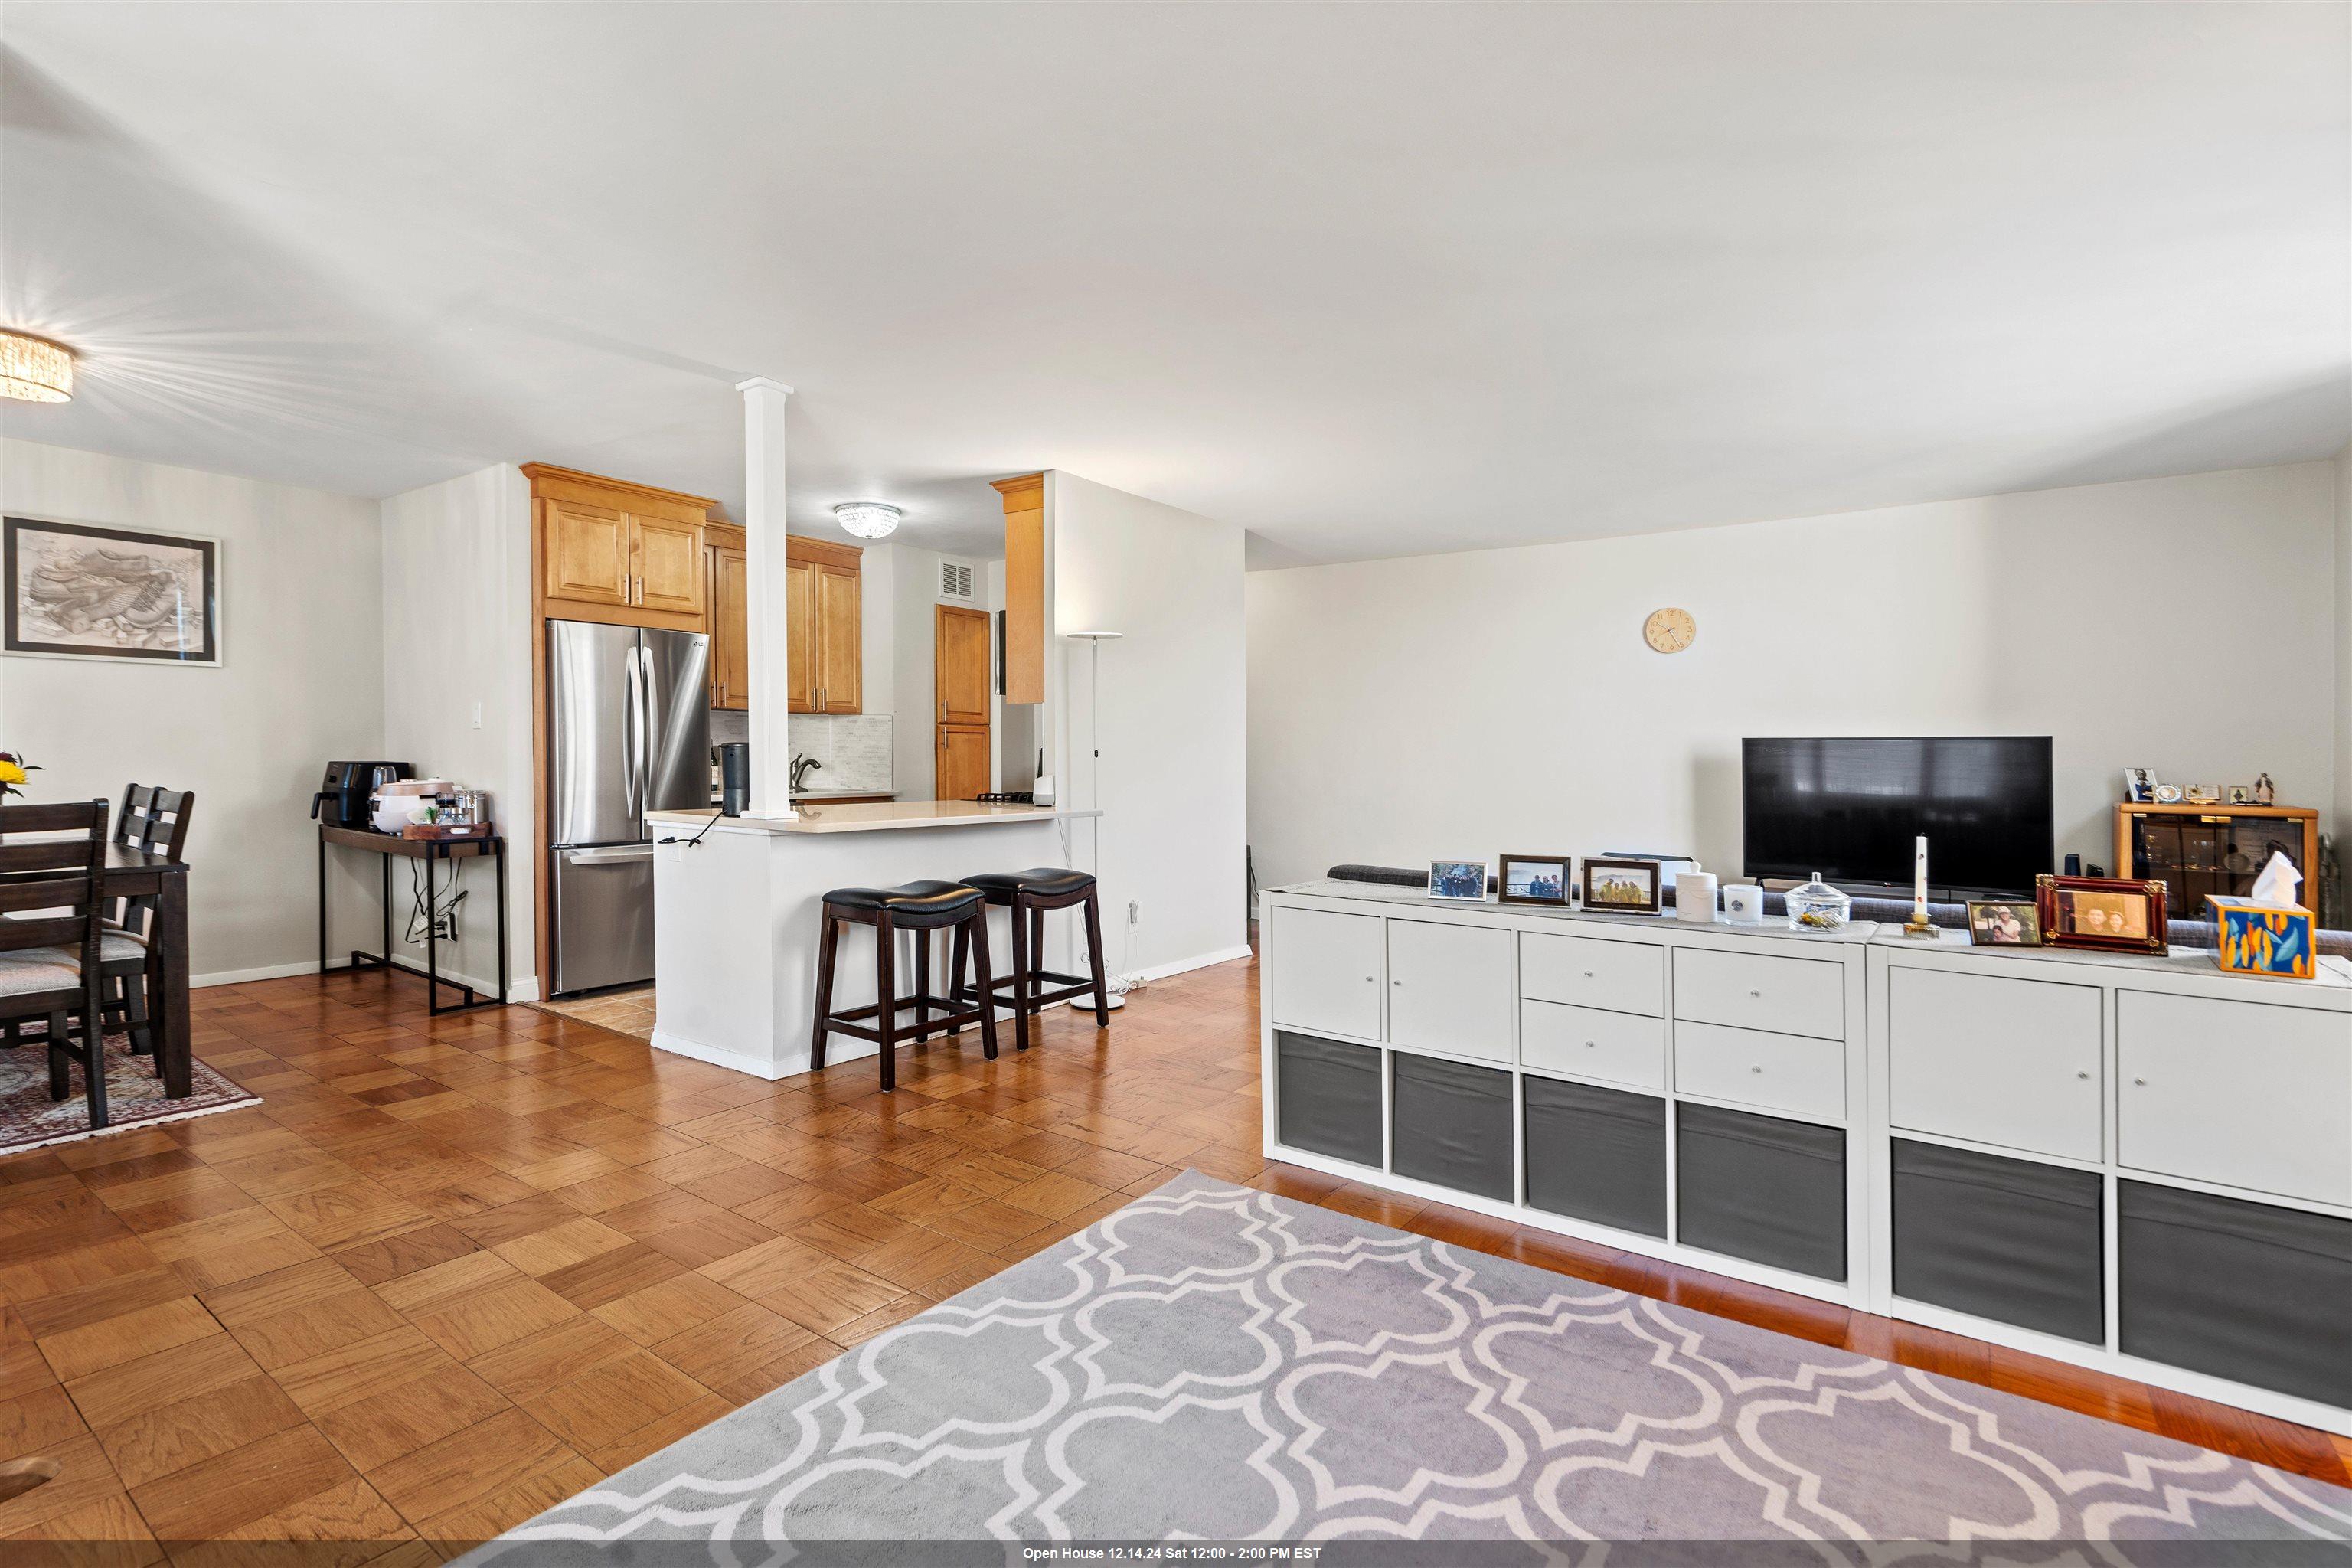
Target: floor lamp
x=1094 y=641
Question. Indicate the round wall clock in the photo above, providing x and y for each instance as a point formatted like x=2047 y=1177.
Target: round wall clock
x=1670 y=631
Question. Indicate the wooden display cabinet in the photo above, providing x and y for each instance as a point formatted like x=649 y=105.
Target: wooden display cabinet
x=2199 y=851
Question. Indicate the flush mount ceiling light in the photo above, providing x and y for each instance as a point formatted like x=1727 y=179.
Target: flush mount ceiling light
x=35 y=369
x=866 y=519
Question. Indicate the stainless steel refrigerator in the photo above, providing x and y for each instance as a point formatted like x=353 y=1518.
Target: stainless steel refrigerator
x=628 y=719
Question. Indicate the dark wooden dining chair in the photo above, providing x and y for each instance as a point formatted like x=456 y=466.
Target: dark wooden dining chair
x=155 y=820
x=53 y=883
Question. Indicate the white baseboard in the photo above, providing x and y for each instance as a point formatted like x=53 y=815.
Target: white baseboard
x=523 y=989
x=1184 y=965
x=735 y=1061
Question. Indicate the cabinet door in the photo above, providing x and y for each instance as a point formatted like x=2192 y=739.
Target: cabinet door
x=1323 y=969
x=962 y=764
x=962 y=664
x=1996 y=1059
x=729 y=629
x=840 y=653
x=2242 y=1093
x=668 y=564
x=1450 y=989
x=585 y=551
x=800 y=636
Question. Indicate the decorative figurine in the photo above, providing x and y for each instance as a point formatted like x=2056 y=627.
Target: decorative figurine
x=2265 y=791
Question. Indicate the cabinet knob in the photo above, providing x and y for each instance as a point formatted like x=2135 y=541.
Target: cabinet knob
x=1588 y=974
x=1756 y=1069
x=1758 y=995
x=2082 y=1075
x=1370 y=981
x=1590 y=1046
x=2141 y=1081
x=1396 y=982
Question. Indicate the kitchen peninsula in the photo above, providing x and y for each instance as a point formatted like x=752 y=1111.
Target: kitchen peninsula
x=736 y=902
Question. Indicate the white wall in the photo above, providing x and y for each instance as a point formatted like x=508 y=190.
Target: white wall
x=1172 y=781
x=1473 y=703
x=2344 y=671
x=300 y=682
x=456 y=638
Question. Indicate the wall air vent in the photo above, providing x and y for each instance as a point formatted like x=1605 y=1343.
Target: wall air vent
x=955 y=580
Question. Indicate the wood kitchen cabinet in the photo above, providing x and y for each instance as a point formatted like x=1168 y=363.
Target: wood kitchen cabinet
x=616 y=552
x=730 y=600
x=823 y=623
x=962 y=766
x=824 y=626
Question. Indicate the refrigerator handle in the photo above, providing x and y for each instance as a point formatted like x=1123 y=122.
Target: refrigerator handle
x=645 y=730
x=633 y=723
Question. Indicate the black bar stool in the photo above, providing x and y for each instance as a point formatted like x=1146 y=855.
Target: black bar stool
x=1029 y=894
x=922 y=907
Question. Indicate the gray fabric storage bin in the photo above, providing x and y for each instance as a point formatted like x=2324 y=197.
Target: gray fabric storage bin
x=1327 y=1096
x=1597 y=1154
x=2008 y=1239
x=1451 y=1123
x=1762 y=1188
x=2238 y=1289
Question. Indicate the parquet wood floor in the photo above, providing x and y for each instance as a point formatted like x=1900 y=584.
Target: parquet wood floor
x=455 y=1269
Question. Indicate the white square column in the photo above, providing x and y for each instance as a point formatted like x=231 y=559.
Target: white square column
x=768 y=650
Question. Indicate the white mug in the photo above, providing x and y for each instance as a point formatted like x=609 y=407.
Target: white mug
x=1743 y=903
x=1694 y=897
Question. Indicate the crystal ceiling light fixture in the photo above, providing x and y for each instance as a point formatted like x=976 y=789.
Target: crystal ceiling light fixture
x=866 y=519
x=35 y=369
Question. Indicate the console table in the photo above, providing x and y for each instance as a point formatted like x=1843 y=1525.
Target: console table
x=432 y=851
x=2140 y=1164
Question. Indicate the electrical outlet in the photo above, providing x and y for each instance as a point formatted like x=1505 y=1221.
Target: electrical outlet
x=446 y=928
x=1134 y=911
x=478 y=715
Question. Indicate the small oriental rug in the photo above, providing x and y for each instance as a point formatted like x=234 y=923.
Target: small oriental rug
x=30 y=1119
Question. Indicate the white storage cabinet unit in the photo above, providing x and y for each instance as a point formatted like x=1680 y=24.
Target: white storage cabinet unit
x=2134 y=1164
x=1691 y=1092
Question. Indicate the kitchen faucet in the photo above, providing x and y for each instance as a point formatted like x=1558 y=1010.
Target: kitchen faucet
x=802 y=767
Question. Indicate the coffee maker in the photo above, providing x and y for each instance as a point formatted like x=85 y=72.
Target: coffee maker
x=343 y=800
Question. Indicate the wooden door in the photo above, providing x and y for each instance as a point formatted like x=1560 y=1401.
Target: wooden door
x=960 y=644
x=668 y=564
x=729 y=629
x=800 y=636
x=586 y=551
x=840 y=654
x=963 y=768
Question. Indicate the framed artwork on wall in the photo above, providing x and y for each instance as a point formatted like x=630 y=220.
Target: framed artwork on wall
x=78 y=591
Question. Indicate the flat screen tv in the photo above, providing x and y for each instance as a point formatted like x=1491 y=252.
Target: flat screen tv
x=1851 y=808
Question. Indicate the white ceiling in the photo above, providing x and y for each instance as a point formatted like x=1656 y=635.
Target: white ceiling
x=1368 y=280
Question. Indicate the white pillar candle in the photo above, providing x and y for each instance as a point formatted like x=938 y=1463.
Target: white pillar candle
x=1920 y=862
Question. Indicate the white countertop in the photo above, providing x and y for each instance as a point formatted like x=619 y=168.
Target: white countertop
x=874 y=816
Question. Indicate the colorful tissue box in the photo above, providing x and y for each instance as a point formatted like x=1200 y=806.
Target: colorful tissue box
x=2272 y=939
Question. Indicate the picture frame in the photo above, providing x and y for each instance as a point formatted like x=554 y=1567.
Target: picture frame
x=2103 y=914
x=1535 y=879
x=1620 y=887
x=2139 y=786
x=2241 y=794
x=2005 y=922
x=1458 y=881
x=2168 y=795
x=76 y=590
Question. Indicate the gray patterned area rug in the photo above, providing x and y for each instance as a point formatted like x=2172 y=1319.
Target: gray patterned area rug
x=1214 y=1365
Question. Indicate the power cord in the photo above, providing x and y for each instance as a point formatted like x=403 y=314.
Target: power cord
x=421 y=918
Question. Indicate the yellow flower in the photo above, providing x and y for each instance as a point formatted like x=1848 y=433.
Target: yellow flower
x=11 y=772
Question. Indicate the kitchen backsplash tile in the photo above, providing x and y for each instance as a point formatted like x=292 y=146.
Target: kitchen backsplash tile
x=855 y=748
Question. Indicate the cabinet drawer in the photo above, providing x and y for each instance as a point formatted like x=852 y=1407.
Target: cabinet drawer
x=1450 y=989
x=1622 y=976
x=2242 y=1093
x=1325 y=972
x=1620 y=1048
x=1794 y=1073
x=1999 y=1061
x=1752 y=991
